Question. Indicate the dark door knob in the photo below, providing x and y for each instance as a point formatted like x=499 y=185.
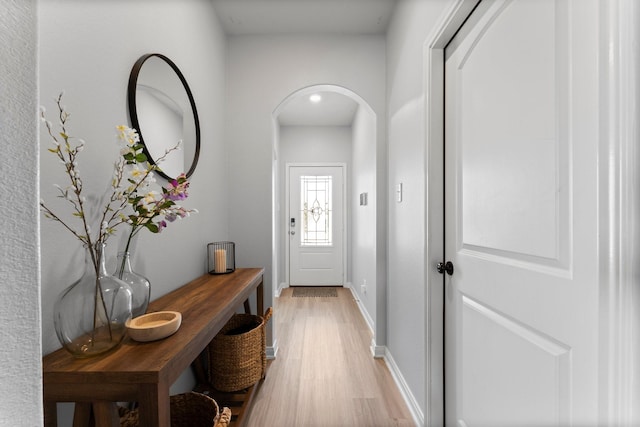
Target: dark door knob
x=448 y=267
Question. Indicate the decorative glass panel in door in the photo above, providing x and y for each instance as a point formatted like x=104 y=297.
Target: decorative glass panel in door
x=316 y=210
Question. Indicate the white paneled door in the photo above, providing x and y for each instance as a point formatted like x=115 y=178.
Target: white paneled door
x=521 y=138
x=316 y=225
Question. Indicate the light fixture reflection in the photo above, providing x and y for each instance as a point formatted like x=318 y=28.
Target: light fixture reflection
x=315 y=98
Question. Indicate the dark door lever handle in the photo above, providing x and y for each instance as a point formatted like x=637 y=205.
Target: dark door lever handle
x=448 y=267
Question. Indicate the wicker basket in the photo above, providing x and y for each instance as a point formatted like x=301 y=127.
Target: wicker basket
x=187 y=410
x=237 y=355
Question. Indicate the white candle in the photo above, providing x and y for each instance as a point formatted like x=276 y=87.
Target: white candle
x=221 y=260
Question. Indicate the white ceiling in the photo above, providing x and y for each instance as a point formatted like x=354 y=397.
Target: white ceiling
x=304 y=16
x=334 y=109
x=291 y=17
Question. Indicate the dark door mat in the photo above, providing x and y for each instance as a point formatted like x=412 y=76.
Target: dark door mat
x=315 y=292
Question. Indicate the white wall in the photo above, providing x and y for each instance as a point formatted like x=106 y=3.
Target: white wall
x=364 y=230
x=315 y=144
x=263 y=71
x=20 y=349
x=300 y=144
x=88 y=50
x=410 y=27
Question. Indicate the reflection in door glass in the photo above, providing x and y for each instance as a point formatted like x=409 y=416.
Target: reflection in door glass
x=316 y=210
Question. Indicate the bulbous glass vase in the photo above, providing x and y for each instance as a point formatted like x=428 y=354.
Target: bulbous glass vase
x=90 y=315
x=140 y=285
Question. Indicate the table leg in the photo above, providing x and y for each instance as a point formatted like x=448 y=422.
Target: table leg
x=259 y=301
x=82 y=414
x=260 y=298
x=106 y=414
x=154 y=407
x=50 y=414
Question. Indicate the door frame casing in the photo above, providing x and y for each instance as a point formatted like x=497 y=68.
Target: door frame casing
x=433 y=59
x=618 y=208
x=345 y=225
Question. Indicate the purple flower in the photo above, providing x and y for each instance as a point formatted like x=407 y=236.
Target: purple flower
x=176 y=196
x=177 y=188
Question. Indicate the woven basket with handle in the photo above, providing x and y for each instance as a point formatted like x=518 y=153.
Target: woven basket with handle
x=237 y=355
x=187 y=410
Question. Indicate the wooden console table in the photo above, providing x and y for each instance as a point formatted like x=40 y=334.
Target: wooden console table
x=143 y=372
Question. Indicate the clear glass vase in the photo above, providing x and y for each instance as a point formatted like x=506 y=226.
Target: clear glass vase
x=90 y=315
x=140 y=285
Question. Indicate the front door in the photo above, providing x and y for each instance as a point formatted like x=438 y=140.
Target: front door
x=521 y=216
x=316 y=225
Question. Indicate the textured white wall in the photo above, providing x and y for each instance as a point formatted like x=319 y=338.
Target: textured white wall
x=20 y=350
x=412 y=23
x=263 y=71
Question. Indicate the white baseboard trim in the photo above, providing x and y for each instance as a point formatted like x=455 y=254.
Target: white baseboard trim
x=272 y=350
x=363 y=310
x=279 y=289
x=405 y=391
x=377 y=351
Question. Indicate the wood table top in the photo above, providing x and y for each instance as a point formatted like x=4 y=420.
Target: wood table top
x=205 y=303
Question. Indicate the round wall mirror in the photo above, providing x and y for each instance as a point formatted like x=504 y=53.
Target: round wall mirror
x=162 y=110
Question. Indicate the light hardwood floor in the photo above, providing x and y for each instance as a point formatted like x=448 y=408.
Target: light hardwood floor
x=324 y=373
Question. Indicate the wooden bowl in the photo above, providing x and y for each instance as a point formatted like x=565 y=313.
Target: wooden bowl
x=154 y=326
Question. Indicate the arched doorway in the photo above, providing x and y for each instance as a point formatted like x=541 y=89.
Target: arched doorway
x=345 y=119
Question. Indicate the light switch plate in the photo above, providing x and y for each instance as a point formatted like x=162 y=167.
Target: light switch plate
x=399 y=193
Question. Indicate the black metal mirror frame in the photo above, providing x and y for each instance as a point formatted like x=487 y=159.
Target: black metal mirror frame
x=133 y=110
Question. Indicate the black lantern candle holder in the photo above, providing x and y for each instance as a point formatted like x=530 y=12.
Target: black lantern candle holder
x=222 y=257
